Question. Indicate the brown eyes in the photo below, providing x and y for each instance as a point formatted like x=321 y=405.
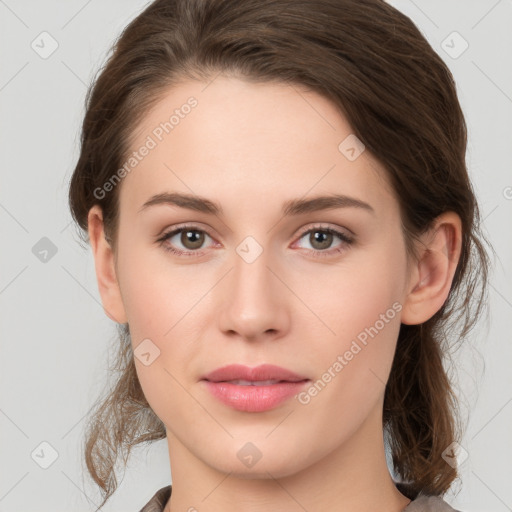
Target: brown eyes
x=191 y=238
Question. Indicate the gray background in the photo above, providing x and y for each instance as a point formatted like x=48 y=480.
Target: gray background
x=55 y=336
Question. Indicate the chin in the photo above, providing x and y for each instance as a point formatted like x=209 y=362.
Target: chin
x=275 y=465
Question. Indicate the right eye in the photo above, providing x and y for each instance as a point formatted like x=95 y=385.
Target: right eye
x=189 y=236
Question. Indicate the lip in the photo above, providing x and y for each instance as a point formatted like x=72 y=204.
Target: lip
x=253 y=398
x=258 y=373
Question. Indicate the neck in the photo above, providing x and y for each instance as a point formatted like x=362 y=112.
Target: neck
x=352 y=478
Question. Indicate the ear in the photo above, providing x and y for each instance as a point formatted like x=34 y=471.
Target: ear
x=105 y=267
x=432 y=274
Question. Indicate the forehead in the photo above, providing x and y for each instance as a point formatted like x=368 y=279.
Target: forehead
x=237 y=140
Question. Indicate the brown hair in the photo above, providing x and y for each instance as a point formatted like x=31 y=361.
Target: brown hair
x=399 y=97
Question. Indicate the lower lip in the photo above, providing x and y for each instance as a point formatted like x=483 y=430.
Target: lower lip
x=254 y=398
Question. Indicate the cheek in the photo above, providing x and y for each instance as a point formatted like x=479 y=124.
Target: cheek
x=156 y=298
x=163 y=308
x=354 y=296
x=168 y=307
x=364 y=309
x=352 y=369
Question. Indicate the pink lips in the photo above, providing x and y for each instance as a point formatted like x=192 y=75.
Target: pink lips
x=253 y=398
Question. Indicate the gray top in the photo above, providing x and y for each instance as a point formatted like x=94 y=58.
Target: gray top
x=429 y=504
x=422 y=503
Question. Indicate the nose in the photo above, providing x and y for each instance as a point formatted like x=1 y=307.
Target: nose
x=254 y=303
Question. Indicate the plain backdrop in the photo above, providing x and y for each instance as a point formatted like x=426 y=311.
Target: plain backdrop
x=54 y=334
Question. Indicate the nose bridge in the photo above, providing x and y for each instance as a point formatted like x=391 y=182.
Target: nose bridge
x=251 y=275
x=254 y=304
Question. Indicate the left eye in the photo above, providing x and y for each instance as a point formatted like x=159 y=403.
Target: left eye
x=322 y=238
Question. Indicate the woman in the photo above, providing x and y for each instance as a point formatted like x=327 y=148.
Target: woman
x=282 y=223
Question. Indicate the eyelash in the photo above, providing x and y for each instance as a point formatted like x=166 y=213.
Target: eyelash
x=347 y=241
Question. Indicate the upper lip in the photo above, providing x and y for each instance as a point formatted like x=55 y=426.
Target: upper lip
x=258 y=373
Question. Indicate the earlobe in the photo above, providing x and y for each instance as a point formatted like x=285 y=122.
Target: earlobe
x=432 y=274
x=105 y=268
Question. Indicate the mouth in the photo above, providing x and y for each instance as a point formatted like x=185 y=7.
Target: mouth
x=256 y=389
x=241 y=382
x=266 y=374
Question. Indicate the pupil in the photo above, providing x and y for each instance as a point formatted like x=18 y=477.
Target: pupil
x=193 y=238
x=323 y=238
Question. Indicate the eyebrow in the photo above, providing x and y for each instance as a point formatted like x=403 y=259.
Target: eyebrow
x=291 y=207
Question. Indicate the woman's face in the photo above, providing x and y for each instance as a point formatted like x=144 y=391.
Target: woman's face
x=262 y=280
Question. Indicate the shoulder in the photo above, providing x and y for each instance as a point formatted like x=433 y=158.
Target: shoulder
x=422 y=503
x=425 y=503
x=158 y=501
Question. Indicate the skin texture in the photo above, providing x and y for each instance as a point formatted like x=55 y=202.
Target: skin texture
x=251 y=147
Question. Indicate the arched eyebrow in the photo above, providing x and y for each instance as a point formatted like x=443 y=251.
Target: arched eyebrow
x=290 y=207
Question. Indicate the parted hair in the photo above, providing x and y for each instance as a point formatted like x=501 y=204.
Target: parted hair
x=400 y=99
